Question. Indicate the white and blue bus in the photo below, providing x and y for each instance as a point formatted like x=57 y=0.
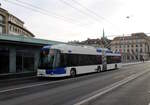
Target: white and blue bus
x=68 y=60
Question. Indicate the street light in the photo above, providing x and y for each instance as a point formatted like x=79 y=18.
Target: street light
x=124 y=57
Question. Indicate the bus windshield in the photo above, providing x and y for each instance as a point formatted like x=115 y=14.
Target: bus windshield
x=47 y=57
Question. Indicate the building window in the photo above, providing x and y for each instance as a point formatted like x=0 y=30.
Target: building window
x=132 y=51
x=1 y=29
x=131 y=45
x=132 y=57
x=136 y=45
x=128 y=46
x=124 y=50
x=4 y=60
x=128 y=57
x=140 y=45
x=136 y=50
x=2 y=19
x=24 y=34
x=18 y=30
x=136 y=57
x=141 y=50
x=13 y=29
x=24 y=60
x=10 y=27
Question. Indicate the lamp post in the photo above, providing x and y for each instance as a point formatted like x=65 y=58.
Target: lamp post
x=125 y=55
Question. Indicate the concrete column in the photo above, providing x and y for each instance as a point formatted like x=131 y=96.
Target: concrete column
x=12 y=60
x=36 y=59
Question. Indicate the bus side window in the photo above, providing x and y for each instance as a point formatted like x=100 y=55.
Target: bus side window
x=68 y=60
x=63 y=60
x=99 y=59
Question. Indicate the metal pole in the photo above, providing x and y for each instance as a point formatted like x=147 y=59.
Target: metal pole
x=123 y=44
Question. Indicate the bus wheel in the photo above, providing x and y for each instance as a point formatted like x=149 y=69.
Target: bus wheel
x=116 y=66
x=39 y=78
x=98 y=69
x=73 y=73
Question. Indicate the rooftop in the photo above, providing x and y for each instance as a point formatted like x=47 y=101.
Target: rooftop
x=139 y=35
x=19 y=38
x=2 y=9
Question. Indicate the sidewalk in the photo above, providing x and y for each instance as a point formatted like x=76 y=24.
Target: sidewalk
x=132 y=63
x=17 y=75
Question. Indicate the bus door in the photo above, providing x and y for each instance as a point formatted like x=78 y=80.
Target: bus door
x=104 y=61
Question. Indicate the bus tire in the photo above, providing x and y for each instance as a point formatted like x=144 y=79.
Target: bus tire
x=73 y=73
x=116 y=67
x=98 y=69
x=39 y=78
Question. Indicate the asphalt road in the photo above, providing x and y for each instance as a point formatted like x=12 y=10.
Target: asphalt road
x=129 y=85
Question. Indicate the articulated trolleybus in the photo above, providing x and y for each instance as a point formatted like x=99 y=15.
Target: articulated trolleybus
x=68 y=60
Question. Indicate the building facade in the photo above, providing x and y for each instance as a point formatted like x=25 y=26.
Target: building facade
x=92 y=42
x=10 y=24
x=135 y=47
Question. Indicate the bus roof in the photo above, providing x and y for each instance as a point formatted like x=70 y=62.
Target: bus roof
x=76 y=49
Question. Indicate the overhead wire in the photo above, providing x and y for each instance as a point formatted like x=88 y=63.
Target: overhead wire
x=36 y=9
x=94 y=13
x=52 y=14
x=87 y=9
x=89 y=13
x=79 y=10
x=45 y=10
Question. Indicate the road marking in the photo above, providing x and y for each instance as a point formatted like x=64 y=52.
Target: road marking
x=35 y=85
x=14 y=79
x=107 y=89
x=119 y=76
x=41 y=84
x=47 y=83
x=149 y=104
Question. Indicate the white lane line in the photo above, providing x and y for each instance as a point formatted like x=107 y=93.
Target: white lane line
x=18 y=88
x=22 y=78
x=149 y=104
x=35 y=85
x=108 y=88
x=40 y=84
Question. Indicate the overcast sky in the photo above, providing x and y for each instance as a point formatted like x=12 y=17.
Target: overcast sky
x=66 y=20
